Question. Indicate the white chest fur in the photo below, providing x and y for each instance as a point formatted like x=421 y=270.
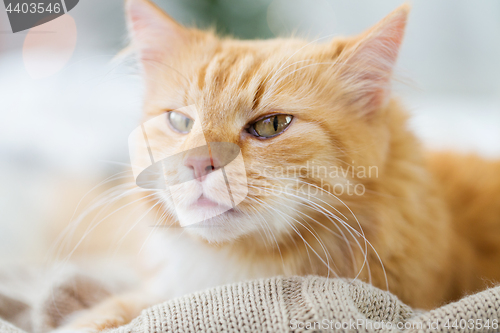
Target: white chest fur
x=186 y=265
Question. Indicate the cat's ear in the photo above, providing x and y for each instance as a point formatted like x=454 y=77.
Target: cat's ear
x=154 y=34
x=368 y=64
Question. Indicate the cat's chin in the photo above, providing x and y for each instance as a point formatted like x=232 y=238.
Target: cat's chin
x=218 y=237
x=224 y=228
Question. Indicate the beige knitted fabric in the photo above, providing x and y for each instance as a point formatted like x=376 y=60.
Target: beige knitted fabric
x=292 y=304
x=297 y=303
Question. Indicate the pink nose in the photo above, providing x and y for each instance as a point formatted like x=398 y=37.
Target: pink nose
x=201 y=165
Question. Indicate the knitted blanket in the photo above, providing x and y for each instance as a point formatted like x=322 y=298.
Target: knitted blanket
x=280 y=304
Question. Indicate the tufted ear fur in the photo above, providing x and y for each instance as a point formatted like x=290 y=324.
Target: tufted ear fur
x=367 y=64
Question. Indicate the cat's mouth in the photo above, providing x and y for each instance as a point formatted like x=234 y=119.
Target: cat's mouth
x=204 y=202
x=203 y=209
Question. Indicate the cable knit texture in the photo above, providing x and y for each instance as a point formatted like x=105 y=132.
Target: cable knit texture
x=280 y=304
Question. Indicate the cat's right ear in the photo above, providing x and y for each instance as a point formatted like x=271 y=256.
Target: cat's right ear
x=367 y=65
x=155 y=36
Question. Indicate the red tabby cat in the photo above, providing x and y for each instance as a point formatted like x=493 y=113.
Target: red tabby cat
x=363 y=201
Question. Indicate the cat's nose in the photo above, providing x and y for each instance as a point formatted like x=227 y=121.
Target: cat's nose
x=201 y=165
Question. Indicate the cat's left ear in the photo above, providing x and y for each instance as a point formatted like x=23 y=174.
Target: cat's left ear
x=155 y=35
x=367 y=65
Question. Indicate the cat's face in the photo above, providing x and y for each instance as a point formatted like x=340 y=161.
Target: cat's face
x=290 y=111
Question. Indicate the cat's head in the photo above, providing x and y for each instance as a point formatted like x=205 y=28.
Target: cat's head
x=305 y=117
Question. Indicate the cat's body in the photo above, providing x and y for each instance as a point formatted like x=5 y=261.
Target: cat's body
x=470 y=187
x=454 y=228
x=425 y=228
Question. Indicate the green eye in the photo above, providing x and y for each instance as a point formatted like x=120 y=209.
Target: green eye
x=180 y=122
x=271 y=126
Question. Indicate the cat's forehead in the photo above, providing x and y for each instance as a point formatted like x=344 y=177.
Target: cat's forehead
x=244 y=75
x=271 y=51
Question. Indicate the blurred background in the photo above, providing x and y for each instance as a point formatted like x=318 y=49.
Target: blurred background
x=63 y=132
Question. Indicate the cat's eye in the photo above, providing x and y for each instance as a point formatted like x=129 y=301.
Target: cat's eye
x=270 y=126
x=180 y=122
